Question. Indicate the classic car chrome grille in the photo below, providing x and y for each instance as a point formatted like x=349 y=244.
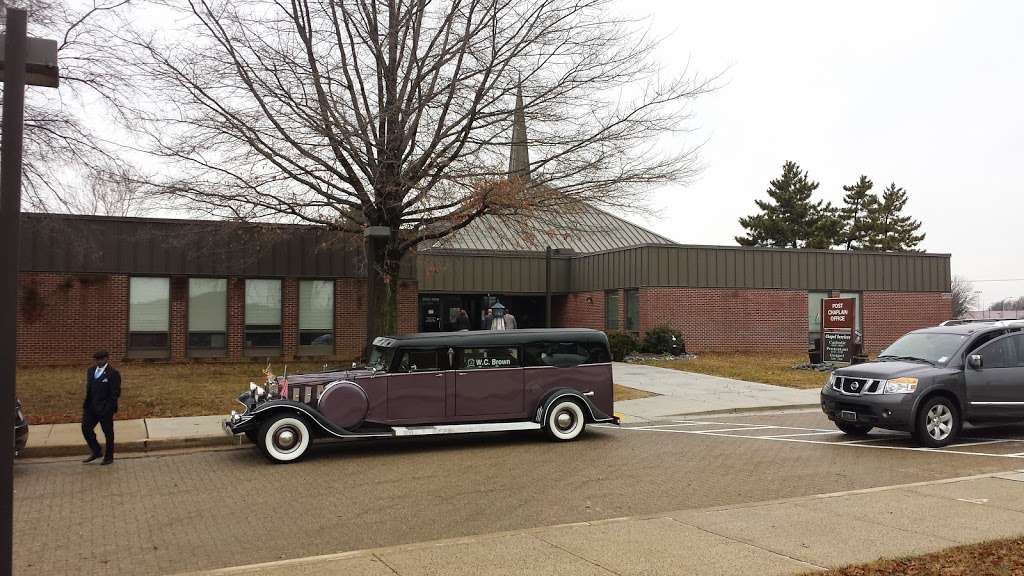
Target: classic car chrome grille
x=858 y=386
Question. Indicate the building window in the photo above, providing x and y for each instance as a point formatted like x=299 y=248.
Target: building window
x=632 y=310
x=263 y=316
x=316 y=317
x=149 y=313
x=611 y=310
x=207 y=316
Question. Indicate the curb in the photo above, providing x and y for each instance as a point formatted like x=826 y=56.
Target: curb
x=131 y=447
x=748 y=410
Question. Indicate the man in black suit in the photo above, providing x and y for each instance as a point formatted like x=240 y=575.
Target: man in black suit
x=102 y=389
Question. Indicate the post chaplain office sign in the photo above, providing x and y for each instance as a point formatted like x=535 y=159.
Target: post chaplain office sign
x=838 y=313
x=838 y=319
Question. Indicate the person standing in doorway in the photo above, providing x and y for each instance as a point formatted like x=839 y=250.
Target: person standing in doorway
x=461 y=320
x=502 y=320
x=102 y=390
x=488 y=319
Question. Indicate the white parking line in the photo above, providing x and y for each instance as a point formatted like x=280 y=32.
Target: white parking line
x=822 y=433
x=787 y=438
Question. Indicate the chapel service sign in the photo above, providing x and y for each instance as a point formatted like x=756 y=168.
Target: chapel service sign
x=838 y=320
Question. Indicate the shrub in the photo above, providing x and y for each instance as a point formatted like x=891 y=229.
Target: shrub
x=621 y=344
x=661 y=339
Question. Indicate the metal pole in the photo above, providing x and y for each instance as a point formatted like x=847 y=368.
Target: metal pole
x=547 y=287
x=10 y=208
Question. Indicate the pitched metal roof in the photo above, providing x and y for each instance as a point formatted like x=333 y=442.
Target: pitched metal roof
x=585 y=230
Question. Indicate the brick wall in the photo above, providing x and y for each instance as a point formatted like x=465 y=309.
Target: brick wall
x=65 y=318
x=889 y=315
x=720 y=319
x=179 y=318
x=579 y=310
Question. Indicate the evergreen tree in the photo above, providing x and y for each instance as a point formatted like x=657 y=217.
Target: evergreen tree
x=857 y=203
x=889 y=230
x=791 y=219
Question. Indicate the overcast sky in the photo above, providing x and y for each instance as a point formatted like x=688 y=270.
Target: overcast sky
x=927 y=94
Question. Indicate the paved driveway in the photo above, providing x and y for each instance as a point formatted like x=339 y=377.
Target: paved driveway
x=167 y=514
x=691 y=393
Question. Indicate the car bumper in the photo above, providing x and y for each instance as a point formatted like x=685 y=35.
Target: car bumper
x=890 y=411
x=20 y=437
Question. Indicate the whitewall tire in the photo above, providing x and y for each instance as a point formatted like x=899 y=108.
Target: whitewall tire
x=284 y=438
x=565 y=421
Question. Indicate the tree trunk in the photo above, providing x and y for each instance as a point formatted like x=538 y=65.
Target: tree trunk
x=381 y=289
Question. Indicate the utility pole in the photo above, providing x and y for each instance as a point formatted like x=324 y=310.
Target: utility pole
x=24 y=61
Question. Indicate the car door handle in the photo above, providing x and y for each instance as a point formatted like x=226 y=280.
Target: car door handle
x=461 y=373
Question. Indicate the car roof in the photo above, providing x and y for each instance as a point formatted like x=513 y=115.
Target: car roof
x=961 y=329
x=493 y=337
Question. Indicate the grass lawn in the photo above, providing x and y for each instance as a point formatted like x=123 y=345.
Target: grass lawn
x=753 y=367
x=996 y=558
x=626 y=393
x=148 y=390
x=53 y=395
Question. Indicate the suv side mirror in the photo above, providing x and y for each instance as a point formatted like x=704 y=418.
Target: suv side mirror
x=975 y=361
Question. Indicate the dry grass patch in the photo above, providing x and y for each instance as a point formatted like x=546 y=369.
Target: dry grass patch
x=753 y=367
x=53 y=395
x=996 y=558
x=626 y=393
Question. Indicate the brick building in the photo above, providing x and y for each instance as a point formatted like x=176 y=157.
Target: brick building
x=186 y=289
x=178 y=289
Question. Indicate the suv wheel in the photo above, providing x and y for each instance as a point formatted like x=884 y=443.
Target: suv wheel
x=854 y=429
x=937 y=423
x=284 y=438
x=565 y=421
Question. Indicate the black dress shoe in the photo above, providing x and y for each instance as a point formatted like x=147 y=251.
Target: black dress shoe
x=90 y=458
x=107 y=461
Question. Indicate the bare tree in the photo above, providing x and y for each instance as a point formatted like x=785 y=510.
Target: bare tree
x=398 y=115
x=66 y=156
x=963 y=296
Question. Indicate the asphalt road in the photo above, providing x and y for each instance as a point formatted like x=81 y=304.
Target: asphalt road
x=174 y=513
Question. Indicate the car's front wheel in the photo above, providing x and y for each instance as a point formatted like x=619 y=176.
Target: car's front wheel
x=937 y=423
x=854 y=429
x=565 y=421
x=284 y=438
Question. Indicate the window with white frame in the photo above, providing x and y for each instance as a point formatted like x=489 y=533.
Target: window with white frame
x=262 y=315
x=207 y=315
x=149 y=314
x=316 y=316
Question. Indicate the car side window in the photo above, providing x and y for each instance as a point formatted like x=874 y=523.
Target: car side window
x=491 y=357
x=558 y=354
x=982 y=340
x=999 y=353
x=418 y=361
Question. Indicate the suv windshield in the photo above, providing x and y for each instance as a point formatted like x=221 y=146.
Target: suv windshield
x=380 y=358
x=933 y=347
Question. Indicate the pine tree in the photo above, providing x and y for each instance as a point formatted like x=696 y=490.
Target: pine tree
x=791 y=219
x=857 y=203
x=889 y=230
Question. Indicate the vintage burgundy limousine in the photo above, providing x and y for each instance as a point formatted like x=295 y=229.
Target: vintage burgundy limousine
x=555 y=380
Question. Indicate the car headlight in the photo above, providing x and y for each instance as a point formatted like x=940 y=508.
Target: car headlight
x=831 y=381
x=260 y=392
x=900 y=386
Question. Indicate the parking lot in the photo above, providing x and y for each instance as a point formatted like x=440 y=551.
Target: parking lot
x=200 y=510
x=1006 y=442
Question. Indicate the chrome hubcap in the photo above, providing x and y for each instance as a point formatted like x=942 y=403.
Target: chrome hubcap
x=939 y=422
x=564 y=420
x=286 y=438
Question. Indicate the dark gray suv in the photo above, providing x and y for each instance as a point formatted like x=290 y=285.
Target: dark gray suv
x=931 y=381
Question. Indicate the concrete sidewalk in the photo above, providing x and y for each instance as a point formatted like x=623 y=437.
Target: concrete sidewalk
x=682 y=392
x=780 y=537
x=46 y=440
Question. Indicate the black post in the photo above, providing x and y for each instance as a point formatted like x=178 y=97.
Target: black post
x=547 y=287
x=10 y=208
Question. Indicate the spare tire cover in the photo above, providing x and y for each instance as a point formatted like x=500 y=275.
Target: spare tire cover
x=344 y=404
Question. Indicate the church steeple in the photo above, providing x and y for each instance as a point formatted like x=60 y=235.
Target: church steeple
x=519 y=156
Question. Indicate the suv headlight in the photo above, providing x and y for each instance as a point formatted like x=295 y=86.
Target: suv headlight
x=831 y=381
x=900 y=386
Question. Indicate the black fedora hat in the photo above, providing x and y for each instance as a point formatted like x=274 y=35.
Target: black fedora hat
x=101 y=355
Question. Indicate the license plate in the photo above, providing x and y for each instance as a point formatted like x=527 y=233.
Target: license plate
x=848 y=416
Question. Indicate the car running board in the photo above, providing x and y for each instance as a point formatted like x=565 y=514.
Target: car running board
x=464 y=428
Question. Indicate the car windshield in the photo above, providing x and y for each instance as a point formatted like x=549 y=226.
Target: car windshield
x=933 y=347
x=380 y=358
